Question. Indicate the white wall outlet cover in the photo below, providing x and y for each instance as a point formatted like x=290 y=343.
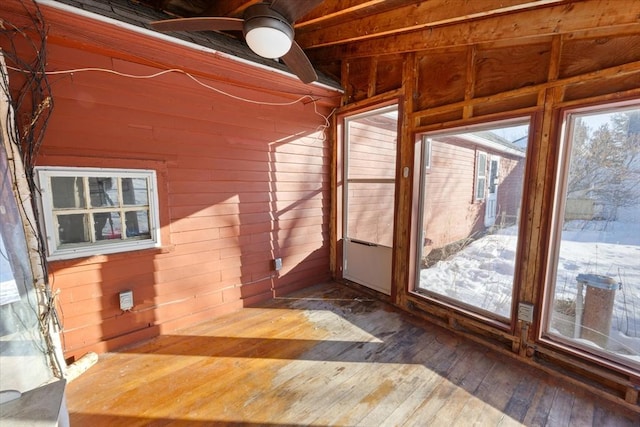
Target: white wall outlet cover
x=525 y=312
x=126 y=300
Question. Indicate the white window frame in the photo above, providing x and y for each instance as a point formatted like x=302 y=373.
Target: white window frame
x=545 y=334
x=56 y=251
x=481 y=175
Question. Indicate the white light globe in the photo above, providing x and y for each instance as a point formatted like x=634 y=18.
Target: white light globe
x=268 y=42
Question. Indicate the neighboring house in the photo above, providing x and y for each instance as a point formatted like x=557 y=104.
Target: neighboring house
x=472 y=185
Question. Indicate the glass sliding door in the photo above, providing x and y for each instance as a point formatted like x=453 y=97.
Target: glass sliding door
x=470 y=197
x=593 y=285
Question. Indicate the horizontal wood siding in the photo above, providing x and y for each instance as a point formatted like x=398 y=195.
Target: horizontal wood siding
x=451 y=213
x=510 y=188
x=240 y=183
x=372 y=156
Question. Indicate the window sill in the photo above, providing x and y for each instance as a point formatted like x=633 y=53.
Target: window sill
x=101 y=259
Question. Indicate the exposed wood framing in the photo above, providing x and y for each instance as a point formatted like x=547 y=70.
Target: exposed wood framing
x=402 y=234
x=608 y=73
x=411 y=18
x=460 y=75
x=470 y=87
x=565 y=17
x=373 y=77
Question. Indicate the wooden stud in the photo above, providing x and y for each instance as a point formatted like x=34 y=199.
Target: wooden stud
x=539 y=22
x=373 y=74
x=607 y=73
x=467 y=110
x=403 y=237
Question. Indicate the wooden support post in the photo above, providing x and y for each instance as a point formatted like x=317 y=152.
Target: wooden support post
x=402 y=273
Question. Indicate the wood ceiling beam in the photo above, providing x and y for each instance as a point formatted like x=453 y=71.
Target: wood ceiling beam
x=340 y=11
x=229 y=8
x=407 y=18
x=581 y=16
x=331 y=12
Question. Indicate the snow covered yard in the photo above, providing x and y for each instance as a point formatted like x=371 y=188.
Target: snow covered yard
x=481 y=275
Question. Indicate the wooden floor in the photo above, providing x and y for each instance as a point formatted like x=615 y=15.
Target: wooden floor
x=327 y=355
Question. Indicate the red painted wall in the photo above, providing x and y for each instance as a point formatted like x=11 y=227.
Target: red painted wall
x=239 y=184
x=451 y=212
x=372 y=155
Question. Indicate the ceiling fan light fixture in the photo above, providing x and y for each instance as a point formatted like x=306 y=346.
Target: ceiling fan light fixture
x=267 y=27
x=267 y=32
x=268 y=42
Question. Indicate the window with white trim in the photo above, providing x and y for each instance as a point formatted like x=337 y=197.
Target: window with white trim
x=91 y=211
x=593 y=276
x=481 y=175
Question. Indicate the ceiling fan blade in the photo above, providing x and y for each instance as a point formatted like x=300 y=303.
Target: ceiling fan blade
x=294 y=9
x=298 y=62
x=198 y=24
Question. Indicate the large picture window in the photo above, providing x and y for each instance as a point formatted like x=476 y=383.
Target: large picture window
x=593 y=285
x=97 y=211
x=470 y=199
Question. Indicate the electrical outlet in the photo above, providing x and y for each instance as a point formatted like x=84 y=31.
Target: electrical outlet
x=525 y=312
x=126 y=300
x=277 y=264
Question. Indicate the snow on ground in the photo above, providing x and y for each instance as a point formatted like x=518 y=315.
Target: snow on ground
x=481 y=274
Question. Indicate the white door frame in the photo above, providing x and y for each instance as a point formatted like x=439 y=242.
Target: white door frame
x=365 y=263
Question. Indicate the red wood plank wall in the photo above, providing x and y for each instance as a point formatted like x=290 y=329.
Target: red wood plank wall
x=372 y=155
x=240 y=183
x=451 y=211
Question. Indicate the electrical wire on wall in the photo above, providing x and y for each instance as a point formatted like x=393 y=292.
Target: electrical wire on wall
x=26 y=121
x=301 y=98
x=32 y=101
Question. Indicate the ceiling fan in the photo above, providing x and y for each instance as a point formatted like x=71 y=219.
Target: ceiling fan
x=267 y=28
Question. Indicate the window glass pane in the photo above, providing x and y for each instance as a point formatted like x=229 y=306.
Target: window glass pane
x=24 y=361
x=73 y=228
x=370 y=216
x=103 y=191
x=467 y=247
x=596 y=281
x=107 y=225
x=480 y=187
x=372 y=146
x=135 y=191
x=138 y=224
x=99 y=211
x=68 y=192
x=481 y=173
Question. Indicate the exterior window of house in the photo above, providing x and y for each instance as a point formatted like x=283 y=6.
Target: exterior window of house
x=426 y=142
x=98 y=211
x=466 y=251
x=481 y=175
x=593 y=282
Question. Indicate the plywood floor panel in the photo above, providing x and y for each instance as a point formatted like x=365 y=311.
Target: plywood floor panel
x=325 y=355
